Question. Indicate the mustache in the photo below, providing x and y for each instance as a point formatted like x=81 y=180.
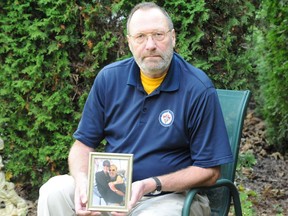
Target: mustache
x=150 y=54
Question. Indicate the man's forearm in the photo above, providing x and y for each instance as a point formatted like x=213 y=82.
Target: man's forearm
x=184 y=179
x=79 y=159
x=190 y=177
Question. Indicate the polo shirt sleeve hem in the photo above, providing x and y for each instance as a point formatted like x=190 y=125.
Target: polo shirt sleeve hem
x=213 y=163
x=84 y=141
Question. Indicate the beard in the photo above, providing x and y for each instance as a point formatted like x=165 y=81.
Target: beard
x=155 y=65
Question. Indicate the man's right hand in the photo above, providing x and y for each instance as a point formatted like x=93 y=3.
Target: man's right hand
x=81 y=199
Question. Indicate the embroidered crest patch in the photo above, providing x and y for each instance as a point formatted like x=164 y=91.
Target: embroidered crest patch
x=166 y=118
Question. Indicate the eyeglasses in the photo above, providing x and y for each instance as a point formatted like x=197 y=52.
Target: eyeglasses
x=156 y=36
x=112 y=170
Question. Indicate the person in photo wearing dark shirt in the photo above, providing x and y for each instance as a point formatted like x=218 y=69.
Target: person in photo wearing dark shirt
x=102 y=179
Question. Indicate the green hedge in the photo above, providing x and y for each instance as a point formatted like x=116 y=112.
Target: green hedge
x=272 y=66
x=212 y=36
x=51 y=51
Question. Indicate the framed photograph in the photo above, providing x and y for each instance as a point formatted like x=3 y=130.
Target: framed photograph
x=110 y=180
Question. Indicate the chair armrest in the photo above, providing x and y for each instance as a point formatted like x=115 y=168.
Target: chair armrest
x=220 y=183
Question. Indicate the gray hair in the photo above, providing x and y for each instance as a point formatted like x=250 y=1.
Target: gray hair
x=146 y=6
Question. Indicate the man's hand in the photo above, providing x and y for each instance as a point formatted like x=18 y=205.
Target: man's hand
x=78 y=166
x=81 y=199
x=139 y=189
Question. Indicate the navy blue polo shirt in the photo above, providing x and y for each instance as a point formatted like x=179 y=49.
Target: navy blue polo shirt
x=178 y=125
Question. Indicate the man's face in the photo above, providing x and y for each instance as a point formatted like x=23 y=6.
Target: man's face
x=106 y=168
x=151 y=55
x=112 y=171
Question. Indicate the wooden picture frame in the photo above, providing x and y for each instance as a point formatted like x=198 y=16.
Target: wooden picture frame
x=113 y=191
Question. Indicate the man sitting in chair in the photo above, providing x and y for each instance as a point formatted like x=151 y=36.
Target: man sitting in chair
x=157 y=107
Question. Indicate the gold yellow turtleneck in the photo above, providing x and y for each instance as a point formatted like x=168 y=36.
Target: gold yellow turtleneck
x=150 y=84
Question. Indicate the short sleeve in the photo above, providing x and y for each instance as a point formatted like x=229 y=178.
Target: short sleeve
x=209 y=143
x=91 y=125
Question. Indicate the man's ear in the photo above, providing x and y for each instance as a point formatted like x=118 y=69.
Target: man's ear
x=173 y=37
x=128 y=41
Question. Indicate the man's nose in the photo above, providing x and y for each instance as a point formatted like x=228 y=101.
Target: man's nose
x=150 y=43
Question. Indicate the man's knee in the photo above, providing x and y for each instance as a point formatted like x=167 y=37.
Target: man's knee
x=57 y=193
x=200 y=206
x=171 y=204
x=57 y=186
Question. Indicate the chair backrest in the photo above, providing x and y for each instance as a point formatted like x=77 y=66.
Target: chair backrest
x=234 y=104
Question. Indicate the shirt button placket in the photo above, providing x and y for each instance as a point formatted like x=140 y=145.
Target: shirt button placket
x=143 y=117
